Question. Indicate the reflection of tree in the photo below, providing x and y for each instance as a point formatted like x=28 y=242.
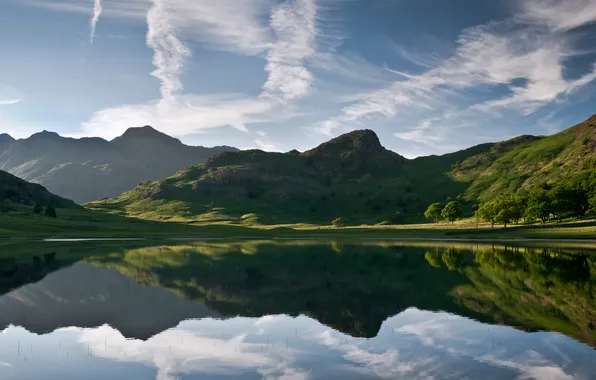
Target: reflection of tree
x=453 y=258
x=537 y=289
x=434 y=258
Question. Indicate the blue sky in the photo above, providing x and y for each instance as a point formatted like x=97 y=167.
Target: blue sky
x=429 y=76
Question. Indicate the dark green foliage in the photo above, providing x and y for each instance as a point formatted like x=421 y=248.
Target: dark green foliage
x=17 y=191
x=37 y=209
x=503 y=210
x=51 y=212
x=452 y=211
x=434 y=212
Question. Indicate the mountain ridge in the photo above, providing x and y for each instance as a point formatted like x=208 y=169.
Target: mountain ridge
x=354 y=177
x=87 y=169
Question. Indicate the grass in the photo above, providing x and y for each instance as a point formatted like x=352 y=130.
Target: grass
x=86 y=223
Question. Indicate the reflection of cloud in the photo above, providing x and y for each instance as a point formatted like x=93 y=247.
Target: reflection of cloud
x=4 y=364
x=177 y=352
x=415 y=344
x=533 y=367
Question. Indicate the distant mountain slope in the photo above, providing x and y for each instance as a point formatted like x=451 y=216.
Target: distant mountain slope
x=16 y=190
x=93 y=168
x=355 y=178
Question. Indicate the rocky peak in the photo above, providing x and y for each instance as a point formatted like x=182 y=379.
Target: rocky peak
x=361 y=141
x=45 y=135
x=145 y=133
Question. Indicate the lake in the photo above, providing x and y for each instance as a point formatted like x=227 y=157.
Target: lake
x=296 y=310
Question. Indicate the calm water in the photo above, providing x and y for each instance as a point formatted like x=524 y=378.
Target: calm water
x=296 y=310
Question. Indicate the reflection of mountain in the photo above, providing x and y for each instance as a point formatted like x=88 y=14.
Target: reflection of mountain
x=355 y=288
x=351 y=288
x=88 y=296
x=353 y=291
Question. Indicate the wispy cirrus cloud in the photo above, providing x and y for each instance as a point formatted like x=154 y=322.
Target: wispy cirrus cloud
x=6 y=102
x=9 y=95
x=286 y=43
x=169 y=52
x=97 y=9
x=558 y=15
x=530 y=47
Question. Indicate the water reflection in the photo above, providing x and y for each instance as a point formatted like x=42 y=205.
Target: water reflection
x=414 y=344
x=298 y=310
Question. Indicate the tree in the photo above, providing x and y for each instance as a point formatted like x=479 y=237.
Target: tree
x=434 y=212
x=37 y=209
x=51 y=212
x=539 y=205
x=502 y=210
x=452 y=211
x=505 y=216
x=488 y=212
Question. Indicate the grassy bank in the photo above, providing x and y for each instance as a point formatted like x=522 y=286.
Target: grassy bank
x=86 y=223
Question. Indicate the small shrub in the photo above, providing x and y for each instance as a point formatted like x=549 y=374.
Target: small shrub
x=337 y=223
x=586 y=140
x=37 y=209
x=51 y=212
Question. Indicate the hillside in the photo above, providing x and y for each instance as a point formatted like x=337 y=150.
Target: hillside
x=352 y=175
x=526 y=161
x=15 y=190
x=355 y=178
x=92 y=168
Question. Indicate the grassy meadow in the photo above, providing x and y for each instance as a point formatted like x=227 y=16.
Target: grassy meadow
x=89 y=223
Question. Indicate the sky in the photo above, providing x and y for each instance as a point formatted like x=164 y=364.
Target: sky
x=428 y=76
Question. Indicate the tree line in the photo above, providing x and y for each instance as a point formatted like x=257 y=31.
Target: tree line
x=572 y=198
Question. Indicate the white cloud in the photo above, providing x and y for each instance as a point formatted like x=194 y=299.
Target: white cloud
x=97 y=9
x=185 y=114
x=5 y=364
x=130 y=9
x=496 y=54
x=557 y=14
x=267 y=146
x=288 y=42
x=7 y=102
x=9 y=95
x=294 y=24
x=169 y=52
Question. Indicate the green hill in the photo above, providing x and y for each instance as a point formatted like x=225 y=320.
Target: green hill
x=14 y=190
x=355 y=178
x=527 y=161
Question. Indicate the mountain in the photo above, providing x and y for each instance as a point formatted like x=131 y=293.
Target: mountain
x=347 y=175
x=16 y=190
x=92 y=168
x=5 y=142
x=355 y=178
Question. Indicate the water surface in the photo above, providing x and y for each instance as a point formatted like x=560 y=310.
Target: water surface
x=296 y=310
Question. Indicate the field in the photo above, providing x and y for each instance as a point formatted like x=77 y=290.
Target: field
x=84 y=223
